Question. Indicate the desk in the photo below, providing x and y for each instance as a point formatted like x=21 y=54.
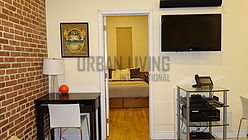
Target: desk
x=89 y=103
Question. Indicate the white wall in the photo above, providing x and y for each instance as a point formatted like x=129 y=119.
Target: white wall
x=229 y=67
x=139 y=25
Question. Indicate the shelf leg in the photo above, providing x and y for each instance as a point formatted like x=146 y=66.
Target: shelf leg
x=178 y=114
x=225 y=115
x=210 y=123
x=187 y=112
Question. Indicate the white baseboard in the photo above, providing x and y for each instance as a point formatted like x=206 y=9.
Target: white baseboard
x=164 y=135
x=172 y=135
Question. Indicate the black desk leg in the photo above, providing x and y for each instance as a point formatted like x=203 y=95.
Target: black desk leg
x=40 y=122
x=99 y=124
x=52 y=134
x=93 y=125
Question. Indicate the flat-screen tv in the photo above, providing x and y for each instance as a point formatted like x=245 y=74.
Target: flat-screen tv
x=199 y=32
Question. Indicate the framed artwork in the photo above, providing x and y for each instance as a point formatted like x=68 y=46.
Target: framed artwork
x=74 y=39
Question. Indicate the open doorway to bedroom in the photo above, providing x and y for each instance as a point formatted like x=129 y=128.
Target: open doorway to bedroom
x=128 y=69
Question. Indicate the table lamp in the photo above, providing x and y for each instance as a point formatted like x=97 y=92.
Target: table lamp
x=53 y=67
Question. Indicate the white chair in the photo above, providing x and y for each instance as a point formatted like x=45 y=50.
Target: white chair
x=66 y=116
x=244 y=102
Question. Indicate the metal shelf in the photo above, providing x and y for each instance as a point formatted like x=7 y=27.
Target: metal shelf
x=183 y=136
x=203 y=123
x=207 y=102
x=210 y=101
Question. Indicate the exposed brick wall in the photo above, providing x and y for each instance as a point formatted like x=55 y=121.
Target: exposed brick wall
x=22 y=47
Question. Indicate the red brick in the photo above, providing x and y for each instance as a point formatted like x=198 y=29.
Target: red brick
x=7 y=47
x=2 y=110
x=9 y=59
x=24 y=23
x=20 y=38
x=15 y=54
x=12 y=94
x=25 y=54
x=12 y=77
x=6 y=102
x=8 y=1
x=6 y=127
x=21 y=70
x=3 y=135
x=16 y=4
x=19 y=27
x=4 y=16
x=15 y=20
x=5 y=90
x=18 y=98
x=1 y=78
x=10 y=7
x=4 y=41
x=13 y=42
x=14 y=117
x=3 y=53
x=1 y=59
x=2 y=85
x=15 y=65
x=17 y=87
x=11 y=71
x=4 y=122
x=19 y=32
x=21 y=59
x=4 y=66
x=2 y=97
x=11 y=83
x=7 y=23
x=9 y=36
x=7 y=12
x=1 y=3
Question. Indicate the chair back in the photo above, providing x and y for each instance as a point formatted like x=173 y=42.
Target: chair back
x=244 y=102
x=64 y=115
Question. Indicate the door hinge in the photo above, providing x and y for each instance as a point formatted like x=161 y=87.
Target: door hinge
x=104 y=27
x=107 y=120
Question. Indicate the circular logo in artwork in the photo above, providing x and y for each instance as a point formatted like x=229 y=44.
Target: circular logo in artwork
x=75 y=39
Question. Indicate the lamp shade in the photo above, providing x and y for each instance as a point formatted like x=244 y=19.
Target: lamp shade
x=53 y=66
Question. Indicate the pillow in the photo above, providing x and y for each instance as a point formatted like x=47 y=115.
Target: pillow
x=123 y=74
x=135 y=73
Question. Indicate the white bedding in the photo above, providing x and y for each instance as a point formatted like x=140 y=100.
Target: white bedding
x=119 y=89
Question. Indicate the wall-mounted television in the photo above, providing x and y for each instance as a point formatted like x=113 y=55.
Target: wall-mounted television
x=199 y=32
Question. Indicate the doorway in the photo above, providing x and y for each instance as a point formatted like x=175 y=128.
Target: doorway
x=103 y=52
x=128 y=88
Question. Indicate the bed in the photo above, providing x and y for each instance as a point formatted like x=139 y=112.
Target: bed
x=128 y=93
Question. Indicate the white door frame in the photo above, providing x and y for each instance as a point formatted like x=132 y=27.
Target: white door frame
x=101 y=15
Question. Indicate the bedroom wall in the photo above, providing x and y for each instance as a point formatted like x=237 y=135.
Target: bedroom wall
x=139 y=26
x=228 y=67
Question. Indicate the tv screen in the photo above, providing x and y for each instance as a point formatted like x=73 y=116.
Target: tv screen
x=200 y=32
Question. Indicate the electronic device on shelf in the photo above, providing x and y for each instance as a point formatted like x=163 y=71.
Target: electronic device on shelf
x=202 y=114
x=203 y=81
x=202 y=108
x=201 y=135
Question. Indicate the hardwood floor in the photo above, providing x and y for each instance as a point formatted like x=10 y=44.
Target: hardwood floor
x=132 y=124
x=129 y=124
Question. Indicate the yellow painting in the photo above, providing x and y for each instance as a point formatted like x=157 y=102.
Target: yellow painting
x=74 y=40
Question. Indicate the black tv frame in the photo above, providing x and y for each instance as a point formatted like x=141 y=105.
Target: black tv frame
x=163 y=48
